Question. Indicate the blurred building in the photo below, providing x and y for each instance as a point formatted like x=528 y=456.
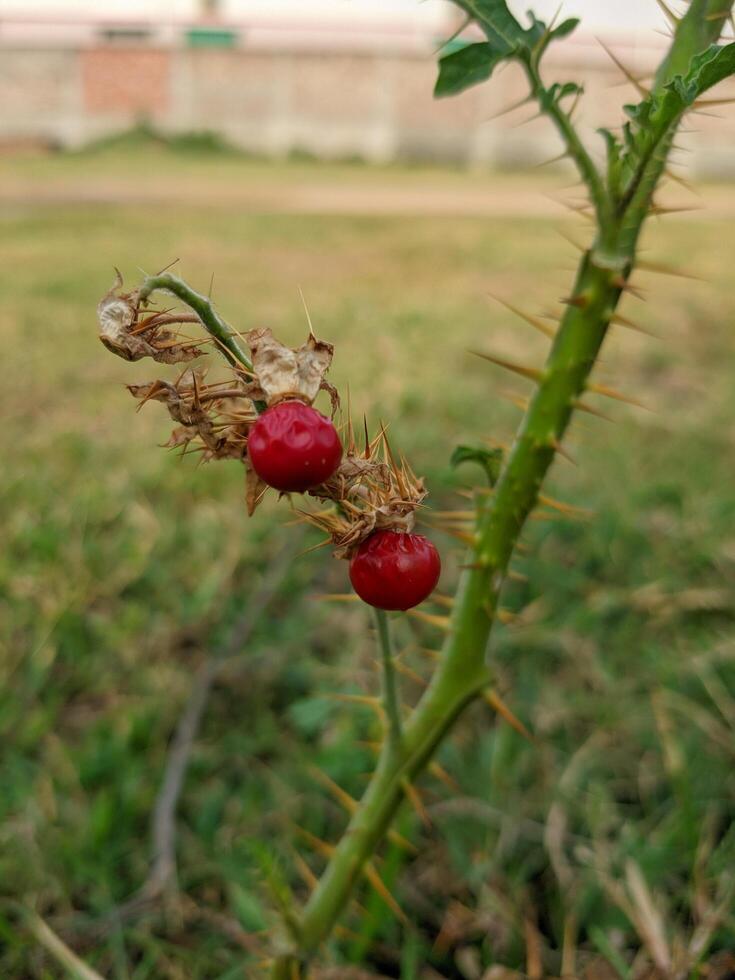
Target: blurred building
x=335 y=78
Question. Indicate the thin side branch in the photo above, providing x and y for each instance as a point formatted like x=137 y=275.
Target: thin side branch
x=162 y=876
x=575 y=148
x=462 y=674
x=163 y=823
x=210 y=319
x=391 y=702
x=57 y=948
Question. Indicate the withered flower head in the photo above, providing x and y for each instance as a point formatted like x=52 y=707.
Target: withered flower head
x=283 y=373
x=216 y=416
x=125 y=334
x=371 y=492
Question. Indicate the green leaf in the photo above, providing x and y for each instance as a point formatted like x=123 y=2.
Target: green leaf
x=507 y=39
x=466 y=67
x=500 y=26
x=507 y=35
x=564 y=29
x=614 y=165
x=651 y=119
x=712 y=66
x=558 y=91
x=311 y=715
x=247 y=907
x=489 y=459
x=274 y=877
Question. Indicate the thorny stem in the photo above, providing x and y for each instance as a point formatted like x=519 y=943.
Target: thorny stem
x=462 y=673
x=204 y=309
x=391 y=703
x=701 y=26
x=574 y=146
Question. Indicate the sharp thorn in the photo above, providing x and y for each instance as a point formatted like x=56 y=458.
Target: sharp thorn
x=363 y=699
x=316 y=843
x=431 y=654
x=306 y=310
x=336 y=597
x=568 y=238
x=166 y=267
x=494 y=700
x=623 y=321
x=666 y=270
x=568 y=509
x=379 y=886
x=669 y=13
x=614 y=394
x=561 y=451
x=412 y=675
x=466 y=537
x=705 y=102
x=414 y=798
x=533 y=374
x=465 y=24
x=547 y=163
x=580 y=302
x=661 y=211
x=515 y=105
x=441 y=622
x=584 y=407
x=533 y=321
x=342 y=797
x=641 y=89
x=440 y=772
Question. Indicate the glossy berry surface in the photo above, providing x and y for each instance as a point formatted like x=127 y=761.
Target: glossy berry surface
x=292 y=447
x=394 y=569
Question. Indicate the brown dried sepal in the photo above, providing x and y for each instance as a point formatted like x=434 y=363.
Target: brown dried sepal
x=125 y=334
x=283 y=373
x=372 y=492
x=217 y=416
x=255 y=488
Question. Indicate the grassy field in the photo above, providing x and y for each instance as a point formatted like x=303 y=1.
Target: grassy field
x=606 y=845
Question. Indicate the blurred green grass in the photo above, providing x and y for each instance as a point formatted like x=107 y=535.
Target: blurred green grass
x=123 y=565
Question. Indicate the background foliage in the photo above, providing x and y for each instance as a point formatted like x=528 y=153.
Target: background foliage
x=122 y=566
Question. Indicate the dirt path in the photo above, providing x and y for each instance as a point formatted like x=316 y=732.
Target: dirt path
x=487 y=197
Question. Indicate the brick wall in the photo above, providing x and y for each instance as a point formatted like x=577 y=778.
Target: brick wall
x=126 y=81
x=376 y=105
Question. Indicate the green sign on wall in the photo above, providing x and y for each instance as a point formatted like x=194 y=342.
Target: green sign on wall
x=211 y=37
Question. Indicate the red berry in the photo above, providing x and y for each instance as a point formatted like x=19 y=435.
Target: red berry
x=395 y=570
x=293 y=447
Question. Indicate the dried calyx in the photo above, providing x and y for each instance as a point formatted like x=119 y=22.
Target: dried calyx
x=132 y=337
x=282 y=373
x=215 y=417
x=369 y=488
x=372 y=492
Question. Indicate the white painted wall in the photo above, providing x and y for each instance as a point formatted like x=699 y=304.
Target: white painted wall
x=598 y=14
x=313 y=11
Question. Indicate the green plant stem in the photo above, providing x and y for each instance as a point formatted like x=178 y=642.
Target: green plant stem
x=391 y=703
x=428 y=725
x=212 y=322
x=575 y=148
x=701 y=26
x=462 y=673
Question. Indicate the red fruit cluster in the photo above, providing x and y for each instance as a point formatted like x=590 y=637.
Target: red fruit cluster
x=292 y=447
x=395 y=569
